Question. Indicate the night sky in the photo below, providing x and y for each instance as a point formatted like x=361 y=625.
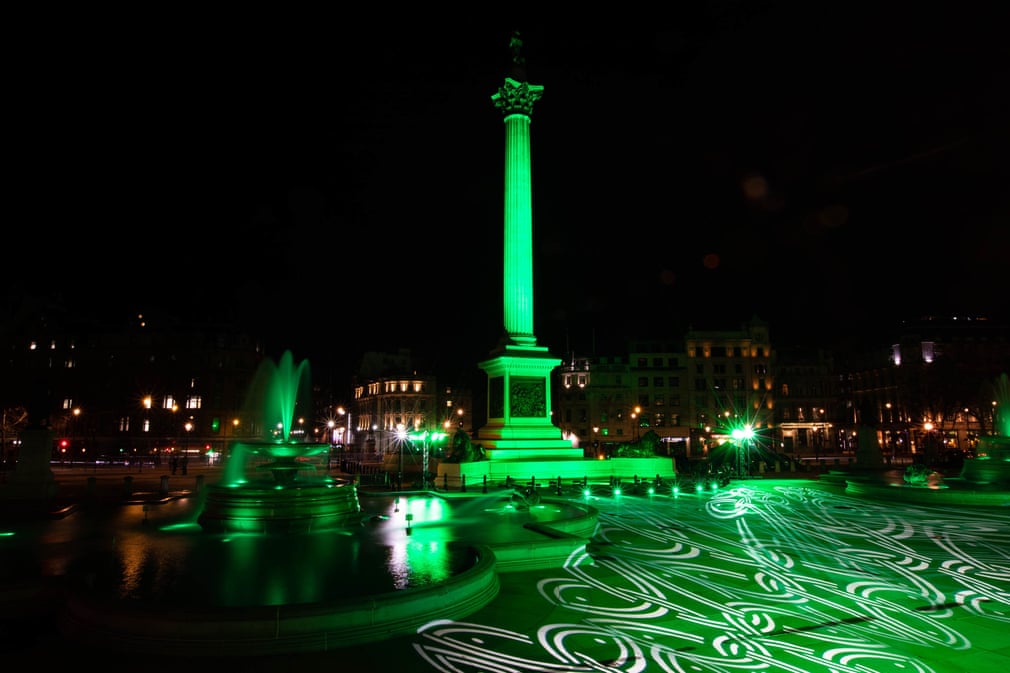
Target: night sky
x=337 y=186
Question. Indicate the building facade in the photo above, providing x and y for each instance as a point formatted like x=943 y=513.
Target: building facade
x=151 y=387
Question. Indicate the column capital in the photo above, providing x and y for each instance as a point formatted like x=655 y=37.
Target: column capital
x=517 y=97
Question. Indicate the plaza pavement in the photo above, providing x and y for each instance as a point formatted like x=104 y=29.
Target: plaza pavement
x=765 y=574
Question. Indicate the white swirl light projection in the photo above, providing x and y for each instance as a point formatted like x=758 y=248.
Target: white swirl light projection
x=764 y=578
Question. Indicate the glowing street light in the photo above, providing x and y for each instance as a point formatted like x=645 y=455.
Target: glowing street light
x=742 y=436
x=401 y=437
x=234 y=432
x=76 y=425
x=426 y=438
x=347 y=440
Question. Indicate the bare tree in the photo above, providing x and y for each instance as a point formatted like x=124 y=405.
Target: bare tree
x=12 y=421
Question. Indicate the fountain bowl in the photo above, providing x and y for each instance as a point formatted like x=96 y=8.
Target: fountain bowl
x=991 y=464
x=286 y=496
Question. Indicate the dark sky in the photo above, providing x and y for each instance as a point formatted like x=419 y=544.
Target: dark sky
x=340 y=183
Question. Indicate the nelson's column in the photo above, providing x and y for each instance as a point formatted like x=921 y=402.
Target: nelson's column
x=519 y=439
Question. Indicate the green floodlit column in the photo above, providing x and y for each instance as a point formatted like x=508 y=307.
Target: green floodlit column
x=515 y=99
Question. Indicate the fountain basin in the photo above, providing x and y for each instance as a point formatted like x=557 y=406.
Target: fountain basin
x=409 y=559
x=279 y=629
x=890 y=485
x=991 y=464
x=285 y=496
x=272 y=507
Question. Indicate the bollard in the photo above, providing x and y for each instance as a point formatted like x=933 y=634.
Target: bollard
x=445 y=481
x=163 y=489
x=559 y=484
x=484 y=487
x=508 y=481
x=199 y=484
x=462 y=483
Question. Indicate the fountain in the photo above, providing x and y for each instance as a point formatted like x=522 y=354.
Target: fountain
x=286 y=495
x=984 y=479
x=276 y=558
x=991 y=464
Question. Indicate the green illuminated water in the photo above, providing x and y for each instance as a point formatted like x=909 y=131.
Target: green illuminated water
x=275 y=392
x=271 y=408
x=1002 y=420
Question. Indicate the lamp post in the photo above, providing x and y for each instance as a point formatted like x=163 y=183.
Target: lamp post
x=634 y=419
x=401 y=436
x=743 y=439
x=424 y=458
x=928 y=442
x=347 y=439
x=224 y=440
x=73 y=432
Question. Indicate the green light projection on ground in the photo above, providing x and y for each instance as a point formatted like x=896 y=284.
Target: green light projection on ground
x=774 y=578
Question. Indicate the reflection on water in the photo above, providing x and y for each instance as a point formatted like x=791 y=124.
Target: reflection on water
x=160 y=556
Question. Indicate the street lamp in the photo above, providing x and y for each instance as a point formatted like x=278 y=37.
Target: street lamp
x=330 y=433
x=347 y=439
x=634 y=419
x=928 y=439
x=224 y=440
x=743 y=437
x=401 y=437
x=73 y=432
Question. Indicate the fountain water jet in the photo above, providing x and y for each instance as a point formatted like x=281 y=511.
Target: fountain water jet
x=286 y=495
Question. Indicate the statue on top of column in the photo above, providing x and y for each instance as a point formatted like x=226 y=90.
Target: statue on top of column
x=515 y=44
x=518 y=60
